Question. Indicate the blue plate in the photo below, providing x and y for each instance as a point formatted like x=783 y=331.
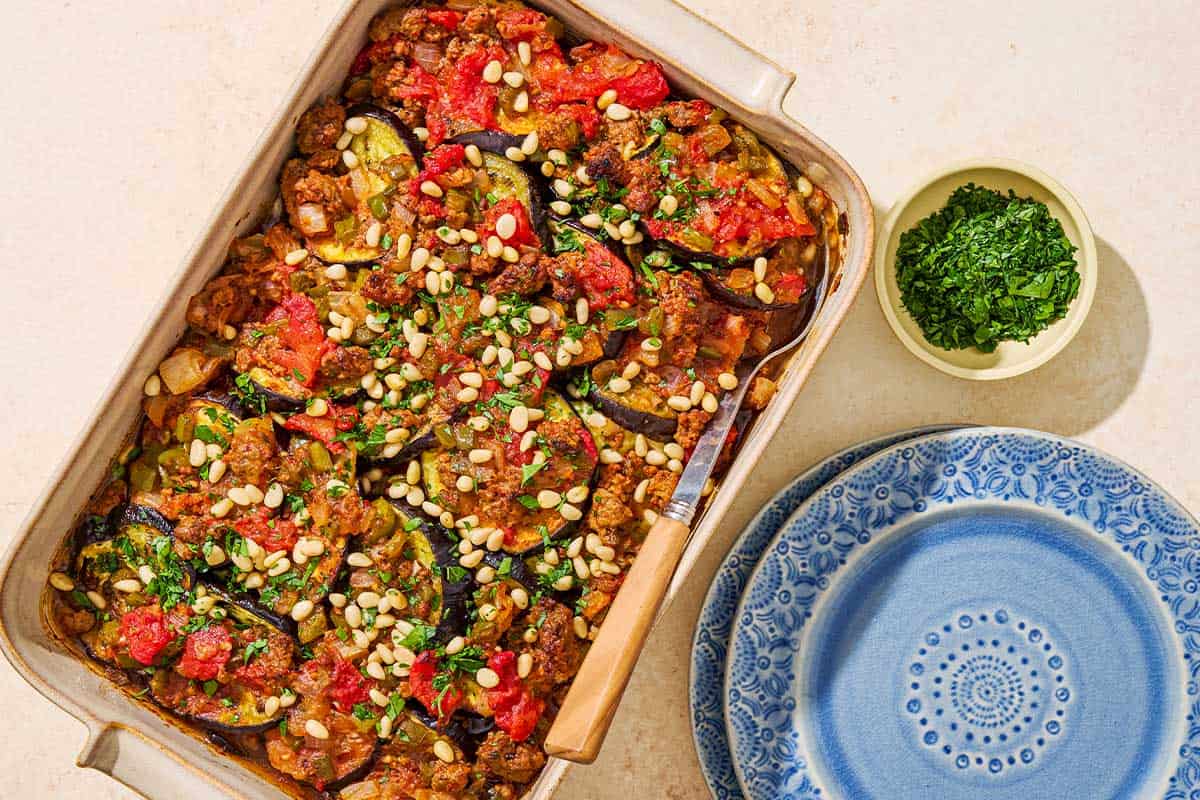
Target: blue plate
x=711 y=640
x=983 y=613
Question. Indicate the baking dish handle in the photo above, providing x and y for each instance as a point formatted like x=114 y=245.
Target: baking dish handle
x=723 y=62
x=139 y=764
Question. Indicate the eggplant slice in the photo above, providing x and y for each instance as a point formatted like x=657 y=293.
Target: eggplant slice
x=280 y=394
x=509 y=179
x=415 y=562
x=794 y=267
x=388 y=154
x=639 y=409
x=751 y=157
x=570 y=464
x=132 y=536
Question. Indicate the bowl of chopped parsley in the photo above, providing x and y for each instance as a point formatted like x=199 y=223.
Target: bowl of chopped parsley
x=986 y=270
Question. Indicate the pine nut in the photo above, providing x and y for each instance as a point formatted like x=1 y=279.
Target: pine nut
x=315 y=729
x=302 y=610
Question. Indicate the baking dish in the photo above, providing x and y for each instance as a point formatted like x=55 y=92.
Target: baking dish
x=152 y=755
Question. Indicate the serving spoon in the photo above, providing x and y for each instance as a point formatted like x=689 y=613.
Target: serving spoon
x=587 y=712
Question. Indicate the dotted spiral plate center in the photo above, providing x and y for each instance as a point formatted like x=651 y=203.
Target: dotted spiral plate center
x=987 y=691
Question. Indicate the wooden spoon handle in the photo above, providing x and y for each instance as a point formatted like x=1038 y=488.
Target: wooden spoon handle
x=591 y=703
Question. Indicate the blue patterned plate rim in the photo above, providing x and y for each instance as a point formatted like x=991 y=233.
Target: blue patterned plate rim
x=1102 y=502
x=711 y=636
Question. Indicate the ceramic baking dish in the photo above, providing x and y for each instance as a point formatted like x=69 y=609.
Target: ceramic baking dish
x=143 y=749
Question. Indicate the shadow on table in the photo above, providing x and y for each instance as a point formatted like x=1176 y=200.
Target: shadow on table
x=1089 y=380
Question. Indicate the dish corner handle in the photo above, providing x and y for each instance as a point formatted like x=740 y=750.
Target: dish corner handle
x=724 y=62
x=138 y=763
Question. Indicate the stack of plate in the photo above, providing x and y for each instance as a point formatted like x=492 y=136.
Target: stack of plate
x=955 y=613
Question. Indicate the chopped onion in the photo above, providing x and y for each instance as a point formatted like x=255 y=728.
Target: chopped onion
x=186 y=369
x=311 y=219
x=428 y=55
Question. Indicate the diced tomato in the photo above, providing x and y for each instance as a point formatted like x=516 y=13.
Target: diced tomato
x=519 y=24
x=467 y=94
x=734 y=219
x=420 y=681
x=325 y=429
x=445 y=17
x=789 y=287
x=643 y=89
x=586 y=115
x=146 y=632
x=490 y=387
x=303 y=338
x=438 y=161
x=373 y=54
x=524 y=234
x=606 y=279
x=204 y=653
x=442 y=159
x=348 y=687
x=513 y=454
x=516 y=709
x=272 y=534
x=417 y=84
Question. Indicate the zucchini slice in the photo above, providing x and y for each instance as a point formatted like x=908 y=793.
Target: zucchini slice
x=511 y=480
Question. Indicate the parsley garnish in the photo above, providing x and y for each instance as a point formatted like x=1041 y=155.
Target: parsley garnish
x=986 y=268
x=253 y=649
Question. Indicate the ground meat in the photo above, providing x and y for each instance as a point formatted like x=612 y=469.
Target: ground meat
x=761 y=392
x=222 y=301
x=252 y=456
x=686 y=113
x=325 y=160
x=320 y=127
x=409 y=23
x=563 y=272
x=608 y=514
x=192 y=530
x=691 y=425
x=344 y=364
x=559 y=129
x=302 y=185
x=281 y=241
x=526 y=277
x=450 y=778
x=517 y=762
x=661 y=487
x=558 y=651
x=682 y=294
x=268 y=669
x=641 y=176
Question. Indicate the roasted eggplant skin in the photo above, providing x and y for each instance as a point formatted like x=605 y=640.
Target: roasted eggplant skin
x=275 y=392
x=613 y=406
x=247 y=609
x=455 y=594
x=466 y=729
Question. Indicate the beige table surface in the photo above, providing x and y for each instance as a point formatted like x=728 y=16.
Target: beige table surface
x=124 y=121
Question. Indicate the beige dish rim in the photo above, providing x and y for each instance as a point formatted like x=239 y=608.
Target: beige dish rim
x=892 y=308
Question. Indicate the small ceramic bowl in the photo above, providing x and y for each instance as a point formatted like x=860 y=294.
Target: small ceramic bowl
x=1009 y=358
